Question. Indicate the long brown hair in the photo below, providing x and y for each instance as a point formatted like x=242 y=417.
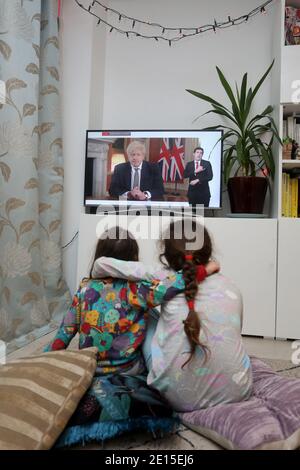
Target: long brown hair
x=175 y=245
x=116 y=243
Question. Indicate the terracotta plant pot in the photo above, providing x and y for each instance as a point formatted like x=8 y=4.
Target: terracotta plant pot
x=287 y=151
x=247 y=194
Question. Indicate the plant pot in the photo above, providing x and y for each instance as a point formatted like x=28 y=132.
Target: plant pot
x=287 y=151
x=247 y=194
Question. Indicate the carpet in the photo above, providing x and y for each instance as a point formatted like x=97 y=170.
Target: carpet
x=286 y=368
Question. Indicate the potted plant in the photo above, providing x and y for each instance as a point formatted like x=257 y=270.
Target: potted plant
x=248 y=157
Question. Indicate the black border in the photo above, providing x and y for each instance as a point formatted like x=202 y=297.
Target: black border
x=154 y=130
x=86 y=457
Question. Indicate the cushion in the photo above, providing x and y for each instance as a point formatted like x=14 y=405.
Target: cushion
x=39 y=394
x=115 y=404
x=269 y=420
x=100 y=432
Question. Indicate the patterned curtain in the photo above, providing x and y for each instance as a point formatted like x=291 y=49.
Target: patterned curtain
x=33 y=293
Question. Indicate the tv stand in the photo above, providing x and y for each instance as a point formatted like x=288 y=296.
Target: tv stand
x=251 y=265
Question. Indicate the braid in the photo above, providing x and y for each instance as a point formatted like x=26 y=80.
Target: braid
x=192 y=323
x=189 y=274
x=174 y=252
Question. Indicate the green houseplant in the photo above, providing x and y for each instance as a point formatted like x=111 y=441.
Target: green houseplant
x=246 y=153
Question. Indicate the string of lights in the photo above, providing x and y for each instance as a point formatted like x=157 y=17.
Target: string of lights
x=69 y=243
x=166 y=33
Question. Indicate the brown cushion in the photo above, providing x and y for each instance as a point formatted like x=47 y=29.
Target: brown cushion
x=39 y=394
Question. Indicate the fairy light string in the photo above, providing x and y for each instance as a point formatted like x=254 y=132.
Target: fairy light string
x=177 y=33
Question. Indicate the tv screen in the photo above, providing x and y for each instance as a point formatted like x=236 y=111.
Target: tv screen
x=153 y=168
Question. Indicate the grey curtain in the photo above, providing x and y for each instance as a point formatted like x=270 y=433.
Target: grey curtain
x=34 y=295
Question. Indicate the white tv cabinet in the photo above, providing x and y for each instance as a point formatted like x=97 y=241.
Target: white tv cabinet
x=246 y=249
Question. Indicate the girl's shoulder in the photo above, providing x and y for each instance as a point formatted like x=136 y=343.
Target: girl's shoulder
x=219 y=281
x=99 y=284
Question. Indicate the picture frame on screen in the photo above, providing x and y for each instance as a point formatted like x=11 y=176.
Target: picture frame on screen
x=171 y=169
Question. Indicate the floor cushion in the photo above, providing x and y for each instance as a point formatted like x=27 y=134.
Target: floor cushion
x=39 y=394
x=269 y=420
x=115 y=404
x=101 y=432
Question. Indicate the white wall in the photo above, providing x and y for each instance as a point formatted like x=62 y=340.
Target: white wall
x=76 y=53
x=134 y=83
x=145 y=81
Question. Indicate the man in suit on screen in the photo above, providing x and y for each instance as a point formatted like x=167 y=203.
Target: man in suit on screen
x=137 y=179
x=199 y=172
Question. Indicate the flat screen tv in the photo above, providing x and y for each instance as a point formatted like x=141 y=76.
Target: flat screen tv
x=170 y=169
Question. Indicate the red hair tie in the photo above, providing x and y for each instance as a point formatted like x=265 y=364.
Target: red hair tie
x=201 y=273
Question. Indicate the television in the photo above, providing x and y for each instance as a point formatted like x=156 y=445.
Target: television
x=159 y=168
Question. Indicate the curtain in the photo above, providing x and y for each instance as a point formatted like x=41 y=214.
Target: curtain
x=34 y=295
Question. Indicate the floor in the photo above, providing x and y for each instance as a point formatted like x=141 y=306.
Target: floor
x=268 y=348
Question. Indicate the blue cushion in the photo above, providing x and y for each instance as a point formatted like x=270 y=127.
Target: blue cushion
x=99 y=432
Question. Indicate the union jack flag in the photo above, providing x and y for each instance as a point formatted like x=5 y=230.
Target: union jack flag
x=177 y=161
x=165 y=159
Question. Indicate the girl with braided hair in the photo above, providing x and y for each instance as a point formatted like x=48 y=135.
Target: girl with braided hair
x=198 y=359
